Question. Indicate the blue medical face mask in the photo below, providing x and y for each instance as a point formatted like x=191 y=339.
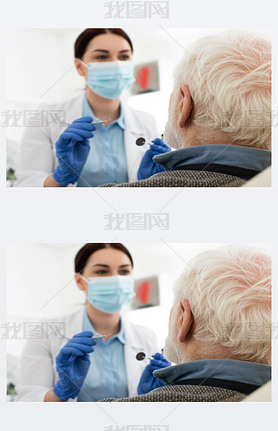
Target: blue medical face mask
x=109 y=294
x=110 y=78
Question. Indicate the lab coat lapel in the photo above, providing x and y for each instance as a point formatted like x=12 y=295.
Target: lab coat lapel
x=74 y=323
x=133 y=130
x=134 y=368
x=73 y=109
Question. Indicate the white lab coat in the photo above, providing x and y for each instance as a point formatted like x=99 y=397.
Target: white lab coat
x=37 y=369
x=37 y=157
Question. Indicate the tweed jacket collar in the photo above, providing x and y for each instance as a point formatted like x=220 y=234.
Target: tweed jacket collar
x=250 y=373
x=244 y=162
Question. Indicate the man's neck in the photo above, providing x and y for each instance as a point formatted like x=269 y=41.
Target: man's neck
x=195 y=137
x=198 y=351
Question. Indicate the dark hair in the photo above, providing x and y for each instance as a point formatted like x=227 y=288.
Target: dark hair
x=87 y=35
x=87 y=250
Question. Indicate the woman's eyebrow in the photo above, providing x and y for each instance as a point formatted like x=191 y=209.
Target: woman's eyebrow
x=107 y=266
x=101 y=50
x=106 y=51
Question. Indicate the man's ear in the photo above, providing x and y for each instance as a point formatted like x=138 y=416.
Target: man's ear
x=80 y=283
x=185 y=320
x=185 y=105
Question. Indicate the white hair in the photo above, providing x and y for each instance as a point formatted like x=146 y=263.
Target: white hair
x=229 y=293
x=229 y=78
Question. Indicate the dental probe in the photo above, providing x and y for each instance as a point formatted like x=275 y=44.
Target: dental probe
x=100 y=122
x=95 y=122
x=100 y=336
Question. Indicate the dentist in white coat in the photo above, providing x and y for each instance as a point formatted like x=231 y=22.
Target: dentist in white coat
x=55 y=155
x=77 y=367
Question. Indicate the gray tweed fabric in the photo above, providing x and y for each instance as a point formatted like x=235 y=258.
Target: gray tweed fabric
x=185 y=179
x=184 y=393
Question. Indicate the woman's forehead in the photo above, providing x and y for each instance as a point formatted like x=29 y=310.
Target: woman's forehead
x=109 y=256
x=109 y=42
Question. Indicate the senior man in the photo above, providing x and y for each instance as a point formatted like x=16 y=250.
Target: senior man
x=219 y=116
x=219 y=331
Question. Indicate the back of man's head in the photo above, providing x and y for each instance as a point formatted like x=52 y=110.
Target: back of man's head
x=229 y=293
x=229 y=79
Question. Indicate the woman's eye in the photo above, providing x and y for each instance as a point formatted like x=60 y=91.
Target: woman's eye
x=125 y=272
x=102 y=57
x=124 y=57
x=101 y=272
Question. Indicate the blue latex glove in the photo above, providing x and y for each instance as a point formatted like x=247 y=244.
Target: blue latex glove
x=148 y=167
x=72 y=364
x=72 y=150
x=148 y=382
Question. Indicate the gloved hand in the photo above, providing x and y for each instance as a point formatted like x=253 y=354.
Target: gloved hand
x=72 y=364
x=148 y=382
x=72 y=150
x=148 y=167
